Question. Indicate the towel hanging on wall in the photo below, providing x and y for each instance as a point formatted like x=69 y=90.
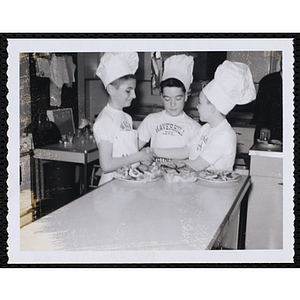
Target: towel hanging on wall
x=42 y=67
x=60 y=70
x=55 y=94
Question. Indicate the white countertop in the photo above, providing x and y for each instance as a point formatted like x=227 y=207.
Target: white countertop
x=255 y=150
x=136 y=216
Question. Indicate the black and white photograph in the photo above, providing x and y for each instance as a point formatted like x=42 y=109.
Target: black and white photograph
x=150 y=151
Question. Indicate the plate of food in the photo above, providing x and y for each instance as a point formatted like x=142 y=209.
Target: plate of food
x=225 y=176
x=141 y=173
x=177 y=171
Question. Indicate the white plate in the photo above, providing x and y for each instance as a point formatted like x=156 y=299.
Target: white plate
x=203 y=175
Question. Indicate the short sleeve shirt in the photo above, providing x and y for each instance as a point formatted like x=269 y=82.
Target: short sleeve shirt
x=109 y=122
x=166 y=131
x=216 y=145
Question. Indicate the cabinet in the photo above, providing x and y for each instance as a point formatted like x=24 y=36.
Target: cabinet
x=265 y=205
x=232 y=232
x=244 y=137
x=228 y=238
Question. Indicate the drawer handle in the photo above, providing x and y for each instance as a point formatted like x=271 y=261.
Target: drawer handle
x=280 y=183
x=240 y=144
x=238 y=133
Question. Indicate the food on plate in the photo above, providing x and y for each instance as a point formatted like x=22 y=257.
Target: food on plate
x=146 y=163
x=223 y=176
x=143 y=167
x=123 y=172
x=177 y=171
x=141 y=172
x=135 y=173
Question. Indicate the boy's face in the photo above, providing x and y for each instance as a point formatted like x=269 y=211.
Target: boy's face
x=123 y=96
x=204 y=108
x=173 y=99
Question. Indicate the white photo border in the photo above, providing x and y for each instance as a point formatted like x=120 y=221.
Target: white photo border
x=17 y=46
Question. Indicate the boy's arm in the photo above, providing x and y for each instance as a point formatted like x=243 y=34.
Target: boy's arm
x=198 y=164
x=144 y=135
x=110 y=164
x=173 y=153
x=222 y=143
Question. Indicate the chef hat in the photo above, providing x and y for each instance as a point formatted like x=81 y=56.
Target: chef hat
x=179 y=67
x=232 y=84
x=114 y=65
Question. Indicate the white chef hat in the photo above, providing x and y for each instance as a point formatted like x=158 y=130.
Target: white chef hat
x=179 y=67
x=232 y=84
x=114 y=65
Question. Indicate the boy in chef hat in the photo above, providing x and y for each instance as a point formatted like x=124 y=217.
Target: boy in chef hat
x=116 y=140
x=171 y=127
x=215 y=144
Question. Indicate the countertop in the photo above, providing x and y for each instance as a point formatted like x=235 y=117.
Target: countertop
x=259 y=151
x=85 y=143
x=137 y=216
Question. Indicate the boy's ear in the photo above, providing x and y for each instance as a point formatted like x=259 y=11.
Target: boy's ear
x=110 y=89
x=213 y=109
x=185 y=97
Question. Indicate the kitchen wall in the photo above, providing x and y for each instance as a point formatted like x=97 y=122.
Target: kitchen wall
x=40 y=89
x=25 y=99
x=92 y=96
x=260 y=63
x=91 y=93
x=96 y=98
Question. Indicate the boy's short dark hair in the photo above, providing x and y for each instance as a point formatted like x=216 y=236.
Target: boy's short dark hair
x=118 y=82
x=172 y=82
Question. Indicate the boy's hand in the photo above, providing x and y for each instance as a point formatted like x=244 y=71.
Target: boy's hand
x=151 y=153
x=147 y=154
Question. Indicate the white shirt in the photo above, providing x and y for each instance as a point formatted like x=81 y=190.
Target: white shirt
x=115 y=126
x=216 y=145
x=166 y=131
x=109 y=122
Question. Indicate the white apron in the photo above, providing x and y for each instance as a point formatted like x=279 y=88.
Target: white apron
x=125 y=143
x=172 y=140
